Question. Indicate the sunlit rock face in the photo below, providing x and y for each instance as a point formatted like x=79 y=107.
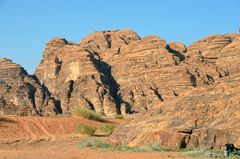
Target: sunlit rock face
x=116 y=71
x=181 y=96
x=203 y=116
x=73 y=76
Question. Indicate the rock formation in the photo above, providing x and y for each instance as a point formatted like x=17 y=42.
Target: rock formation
x=145 y=72
x=21 y=94
x=119 y=72
x=75 y=78
x=205 y=116
x=184 y=96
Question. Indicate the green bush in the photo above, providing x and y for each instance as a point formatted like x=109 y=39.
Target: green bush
x=185 y=150
x=86 y=129
x=108 y=129
x=88 y=114
x=119 y=117
x=93 y=143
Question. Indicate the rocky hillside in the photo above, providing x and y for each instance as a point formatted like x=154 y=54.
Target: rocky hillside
x=204 y=116
x=119 y=72
x=22 y=94
x=179 y=96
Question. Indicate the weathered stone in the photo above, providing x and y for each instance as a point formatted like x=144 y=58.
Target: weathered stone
x=75 y=77
x=131 y=72
x=204 y=116
x=21 y=93
x=178 y=47
x=184 y=94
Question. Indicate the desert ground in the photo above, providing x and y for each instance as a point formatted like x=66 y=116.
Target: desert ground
x=69 y=149
x=54 y=137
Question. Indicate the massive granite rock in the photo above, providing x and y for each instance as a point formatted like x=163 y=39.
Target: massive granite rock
x=22 y=94
x=204 y=116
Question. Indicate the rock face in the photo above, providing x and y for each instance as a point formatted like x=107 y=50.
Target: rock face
x=21 y=94
x=186 y=97
x=204 y=116
x=75 y=77
x=147 y=72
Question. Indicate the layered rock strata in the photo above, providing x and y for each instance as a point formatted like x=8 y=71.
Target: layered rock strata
x=22 y=94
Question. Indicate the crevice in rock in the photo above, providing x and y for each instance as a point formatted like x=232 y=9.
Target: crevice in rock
x=58 y=106
x=69 y=88
x=58 y=66
x=88 y=102
x=108 y=39
x=156 y=92
x=183 y=144
x=209 y=79
x=132 y=96
x=193 y=79
x=221 y=74
x=175 y=93
x=176 y=53
x=100 y=93
x=186 y=131
x=91 y=45
x=125 y=39
x=119 y=50
x=110 y=81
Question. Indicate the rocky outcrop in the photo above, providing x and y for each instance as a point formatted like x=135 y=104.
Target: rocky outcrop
x=204 y=116
x=147 y=72
x=74 y=76
x=21 y=94
x=117 y=71
x=185 y=96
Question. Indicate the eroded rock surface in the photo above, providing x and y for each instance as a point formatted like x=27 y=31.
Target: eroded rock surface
x=205 y=116
x=185 y=96
x=147 y=71
x=22 y=94
x=74 y=76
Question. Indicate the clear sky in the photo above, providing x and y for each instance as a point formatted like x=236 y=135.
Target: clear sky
x=26 y=25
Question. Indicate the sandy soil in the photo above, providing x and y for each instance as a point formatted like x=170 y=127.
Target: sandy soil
x=15 y=130
x=54 y=138
x=69 y=149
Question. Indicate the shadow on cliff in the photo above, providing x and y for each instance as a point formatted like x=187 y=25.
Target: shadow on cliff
x=106 y=69
x=176 y=53
x=57 y=102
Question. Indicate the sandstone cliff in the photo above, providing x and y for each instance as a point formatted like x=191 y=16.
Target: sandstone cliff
x=179 y=96
x=205 y=115
x=21 y=93
x=74 y=76
x=119 y=72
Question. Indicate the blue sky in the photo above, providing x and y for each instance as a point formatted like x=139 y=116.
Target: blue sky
x=26 y=25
